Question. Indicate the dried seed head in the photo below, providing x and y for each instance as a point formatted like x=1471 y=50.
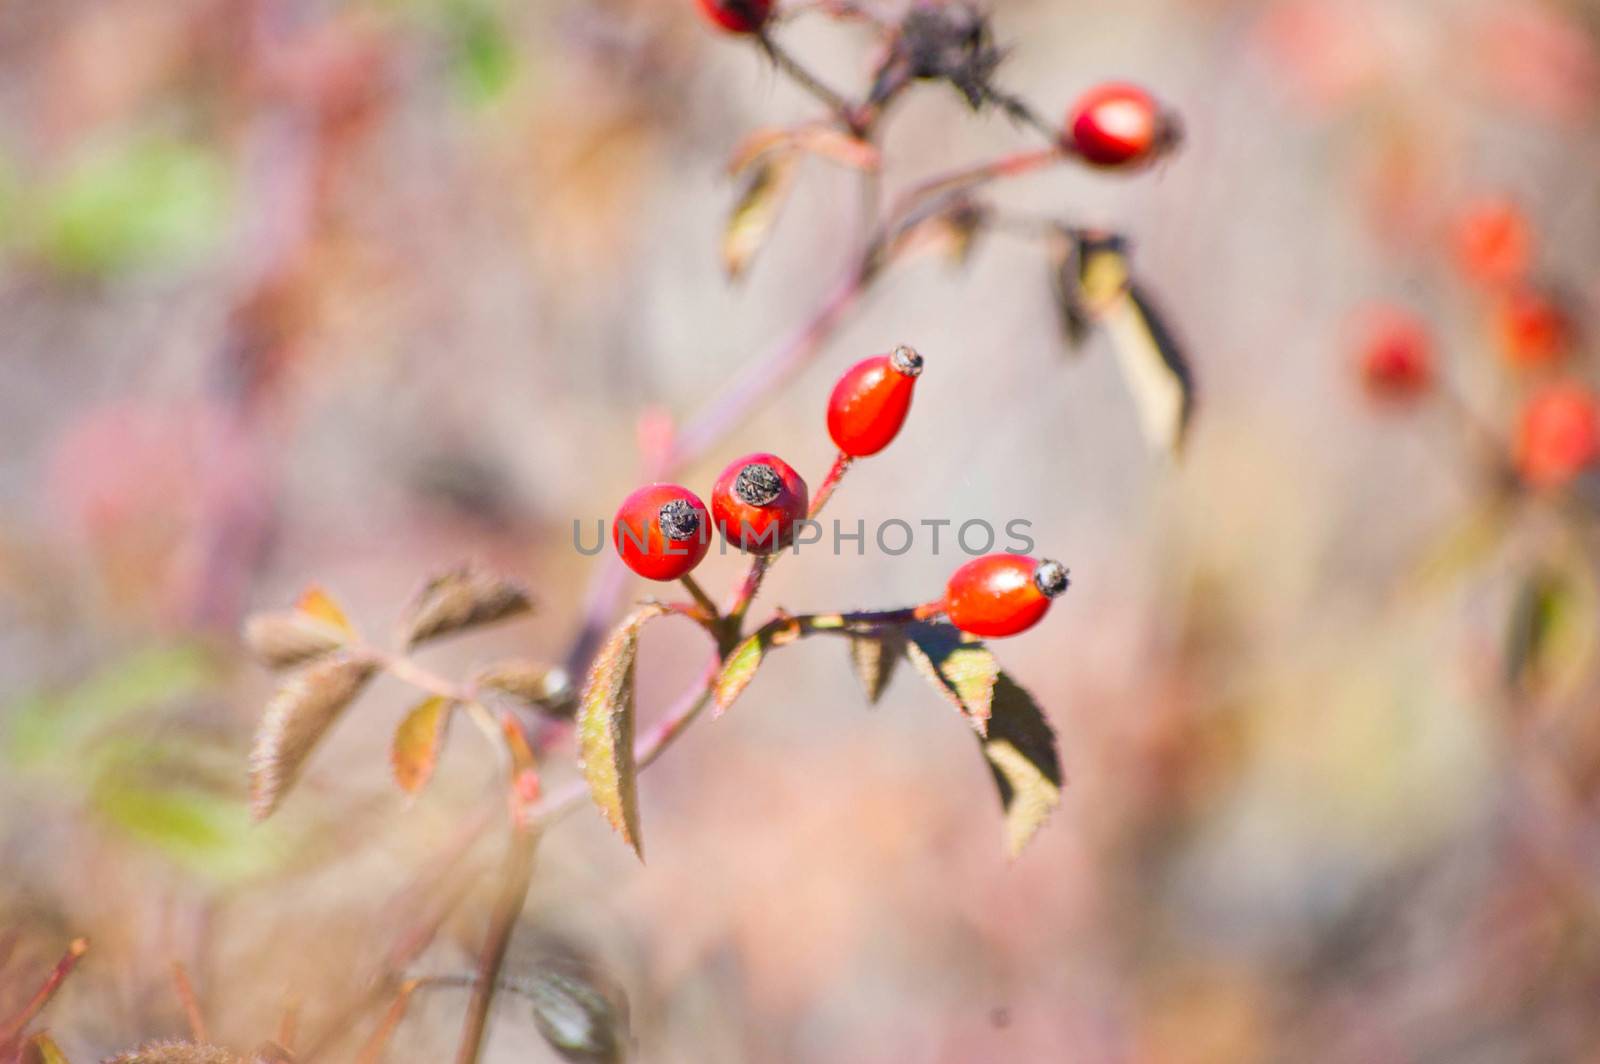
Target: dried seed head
x=906 y=360
x=1050 y=577
x=679 y=521
x=757 y=484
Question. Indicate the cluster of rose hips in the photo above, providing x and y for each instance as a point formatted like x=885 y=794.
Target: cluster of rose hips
x=1557 y=434
x=1113 y=125
x=663 y=531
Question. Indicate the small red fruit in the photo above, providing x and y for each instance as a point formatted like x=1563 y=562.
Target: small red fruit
x=1532 y=328
x=1559 y=435
x=757 y=503
x=737 y=16
x=1002 y=594
x=661 y=531
x=1120 y=125
x=1396 y=355
x=1493 y=242
x=871 y=400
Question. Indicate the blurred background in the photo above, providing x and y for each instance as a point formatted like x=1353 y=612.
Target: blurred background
x=298 y=290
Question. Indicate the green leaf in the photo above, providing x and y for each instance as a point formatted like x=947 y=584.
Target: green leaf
x=48 y=730
x=963 y=672
x=1021 y=749
x=144 y=200
x=296 y=719
x=605 y=728
x=739 y=670
x=874 y=658
x=486 y=58
x=1551 y=633
x=203 y=831
x=417 y=742
x=464 y=597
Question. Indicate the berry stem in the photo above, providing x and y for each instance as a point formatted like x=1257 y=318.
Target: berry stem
x=739 y=604
x=1020 y=111
x=841 y=466
x=13 y=1029
x=797 y=72
x=703 y=600
x=191 y=1004
x=515 y=874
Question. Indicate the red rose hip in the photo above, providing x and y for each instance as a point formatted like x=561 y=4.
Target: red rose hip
x=757 y=503
x=1558 y=436
x=1396 y=355
x=1533 y=329
x=737 y=16
x=871 y=400
x=1002 y=594
x=1119 y=125
x=661 y=531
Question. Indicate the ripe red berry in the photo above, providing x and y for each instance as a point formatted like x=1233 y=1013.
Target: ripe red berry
x=1559 y=435
x=1493 y=242
x=737 y=16
x=871 y=400
x=661 y=531
x=1532 y=328
x=1120 y=125
x=757 y=503
x=1396 y=355
x=1002 y=594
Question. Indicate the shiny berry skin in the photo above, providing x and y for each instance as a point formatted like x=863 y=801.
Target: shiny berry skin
x=1396 y=355
x=757 y=503
x=661 y=531
x=1558 y=435
x=737 y=16
x=871 y=400
x=1533 y=329
x=1002 y=594
x=1119 y=125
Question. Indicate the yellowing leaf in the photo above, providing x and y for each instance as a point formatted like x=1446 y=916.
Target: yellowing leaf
x=1021 y=749
x=42 y=1049
x=296 y=719
x=874 y=658
x=738 y=671
x=462 y=598
x=1153 y=364
x=1154 y=367
x=316 y=602
x=963 y=672
x=605 y=728
x=763 y=189
x=417 y=742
